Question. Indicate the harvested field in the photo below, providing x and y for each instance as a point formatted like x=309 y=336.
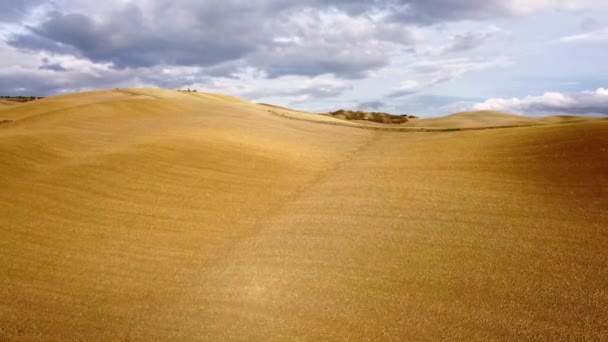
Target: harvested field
x=147 y=214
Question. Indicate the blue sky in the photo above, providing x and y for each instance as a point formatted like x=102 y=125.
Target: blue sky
x=428 y=57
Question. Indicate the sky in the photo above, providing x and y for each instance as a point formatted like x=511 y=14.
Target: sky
x=424 y=57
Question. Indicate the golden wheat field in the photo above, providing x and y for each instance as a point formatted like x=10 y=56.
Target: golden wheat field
x=148 y=214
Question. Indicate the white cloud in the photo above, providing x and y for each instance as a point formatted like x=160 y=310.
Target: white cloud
x=597 y=35
x=602 y=91
x=408 y=87
x=435 y=72
x=447 y=69
x=586 y=102
x=293 y=89
x=525 y=7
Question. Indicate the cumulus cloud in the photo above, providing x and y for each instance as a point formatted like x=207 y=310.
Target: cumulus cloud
x=586 y=102
x=41 y=74
x=281 y=38
x=310 y=37
x=130 y=38
x=315 y=43
x=276 y=38
x=44 y=81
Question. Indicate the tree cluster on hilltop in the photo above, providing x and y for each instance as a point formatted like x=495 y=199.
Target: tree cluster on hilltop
x=379 y=117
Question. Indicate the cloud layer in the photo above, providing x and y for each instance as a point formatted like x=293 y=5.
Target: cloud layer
x=316 y=53
x=586 y=102
x=435 y=72
x=278 y=37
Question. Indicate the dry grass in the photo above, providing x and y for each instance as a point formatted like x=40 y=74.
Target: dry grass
x=485 y=118
x=148 y=214
x=4 y=104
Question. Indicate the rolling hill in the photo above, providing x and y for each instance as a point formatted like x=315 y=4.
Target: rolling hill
x=148 y=214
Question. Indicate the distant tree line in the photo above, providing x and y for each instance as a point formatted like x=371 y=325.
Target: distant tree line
x=20 y=98
x=188 y=90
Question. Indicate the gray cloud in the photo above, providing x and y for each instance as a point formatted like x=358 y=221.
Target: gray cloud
x=13 y=11
x=371 y=105
x=47 y=64
x=41 y=83
x=53 y=77
x=53 y=67
x=346 y=39
x=126 y=40
x=433 y=11
x=213 y=13
x=309 y=63
x=469 y=41
x=208 y=34
x=589 y=24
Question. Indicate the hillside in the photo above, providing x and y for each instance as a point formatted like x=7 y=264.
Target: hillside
x=481 y=119
x=148 y=214
x=7 y=103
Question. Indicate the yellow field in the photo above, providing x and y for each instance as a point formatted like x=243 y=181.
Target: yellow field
x=7 y=103
x=146 y=214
